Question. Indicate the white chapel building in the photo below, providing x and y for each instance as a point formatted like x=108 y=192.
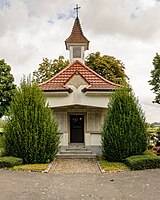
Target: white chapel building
x=78 y=97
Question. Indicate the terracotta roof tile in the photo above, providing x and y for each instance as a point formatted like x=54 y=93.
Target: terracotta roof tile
x=95 y=81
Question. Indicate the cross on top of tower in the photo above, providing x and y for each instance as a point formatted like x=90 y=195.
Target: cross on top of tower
x=77 y=8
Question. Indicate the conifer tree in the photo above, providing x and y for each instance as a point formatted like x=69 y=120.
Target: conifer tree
x=155 y=78
x=124 y=132
x=6 y=86
x=31 y=131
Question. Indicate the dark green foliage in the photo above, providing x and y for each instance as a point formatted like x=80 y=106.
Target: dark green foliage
x=6 y=86
x=2 y=145
x=31 y=131
x=124 y=132
x=143 y=162
x=2 y=141
x=10 y=161
x=155 y=81
x=49 y=68
x=107 y=66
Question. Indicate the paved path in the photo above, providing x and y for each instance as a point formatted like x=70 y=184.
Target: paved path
x=74 y=166
x=138 y=185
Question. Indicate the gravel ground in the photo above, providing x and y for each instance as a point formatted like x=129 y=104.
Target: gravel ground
x=74 y=166
x=136 y=185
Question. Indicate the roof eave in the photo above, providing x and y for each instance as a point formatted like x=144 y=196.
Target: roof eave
x=68 y=44
x=69 y=90
x=97 y=90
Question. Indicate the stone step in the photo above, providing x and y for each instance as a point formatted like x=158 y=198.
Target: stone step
x=78 y=156
x=76 y=152
x=76 y=149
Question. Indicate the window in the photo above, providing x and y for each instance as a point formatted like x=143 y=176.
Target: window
x=76 y=52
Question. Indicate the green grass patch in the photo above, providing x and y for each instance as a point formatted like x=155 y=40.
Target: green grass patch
x=113 y=166
x=10 y=161
x=31 y=167
x=143 y=162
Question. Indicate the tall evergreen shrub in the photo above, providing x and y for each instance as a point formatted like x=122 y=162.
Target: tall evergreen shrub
x=31 y=131
x=124 y=132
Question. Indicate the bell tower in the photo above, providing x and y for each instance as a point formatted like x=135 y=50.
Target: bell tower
x=77 y=43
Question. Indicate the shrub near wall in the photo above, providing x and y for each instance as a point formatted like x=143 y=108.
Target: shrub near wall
x=31 y=131
x=143 y=162
x=124 y=132
x=10 y=161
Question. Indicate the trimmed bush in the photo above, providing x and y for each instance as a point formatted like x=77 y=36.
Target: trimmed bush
x=124 y=132
x=10 y=161
x=31 y=131
x=150 y=152
x=143 y=162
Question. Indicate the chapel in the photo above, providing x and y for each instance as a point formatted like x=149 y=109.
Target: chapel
x=78 y=97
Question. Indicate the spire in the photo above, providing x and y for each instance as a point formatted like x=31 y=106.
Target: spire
x=77 y=43
x=77 y=36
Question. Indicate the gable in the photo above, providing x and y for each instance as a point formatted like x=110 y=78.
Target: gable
x=84 y=74
x=76 y=81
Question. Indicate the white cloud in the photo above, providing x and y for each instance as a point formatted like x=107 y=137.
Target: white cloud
x=116 y=17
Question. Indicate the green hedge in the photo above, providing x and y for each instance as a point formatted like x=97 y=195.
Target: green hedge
x=10 y=161
x=143 y=162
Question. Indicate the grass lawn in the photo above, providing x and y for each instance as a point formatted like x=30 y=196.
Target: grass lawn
x=31 y=167
x=112 y=166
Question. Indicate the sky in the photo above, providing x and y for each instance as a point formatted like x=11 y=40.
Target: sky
x=31 y=30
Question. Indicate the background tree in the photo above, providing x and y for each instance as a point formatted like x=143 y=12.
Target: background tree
x=109 y=67
x=31 y=131
x=49 y=68
x=124 y=131
x=155 y=81
x=6 y=86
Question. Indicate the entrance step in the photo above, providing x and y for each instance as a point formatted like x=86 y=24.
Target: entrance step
x=79 y=156
x=76 y=152
x=76 y=149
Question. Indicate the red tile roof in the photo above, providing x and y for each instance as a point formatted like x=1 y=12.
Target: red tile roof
x=77 y=35
x=94 y=80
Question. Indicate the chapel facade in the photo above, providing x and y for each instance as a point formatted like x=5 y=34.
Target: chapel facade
x=79 y=97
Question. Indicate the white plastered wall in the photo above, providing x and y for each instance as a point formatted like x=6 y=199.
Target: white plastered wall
x=77 y=97
x=92 y=104
x=93 y=120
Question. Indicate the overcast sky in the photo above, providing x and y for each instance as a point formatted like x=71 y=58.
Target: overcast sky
x=126 y=29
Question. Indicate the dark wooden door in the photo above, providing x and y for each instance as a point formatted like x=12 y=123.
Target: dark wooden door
x=77 y=129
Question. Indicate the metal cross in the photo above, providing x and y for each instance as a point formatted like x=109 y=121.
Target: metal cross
x=77 y=8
